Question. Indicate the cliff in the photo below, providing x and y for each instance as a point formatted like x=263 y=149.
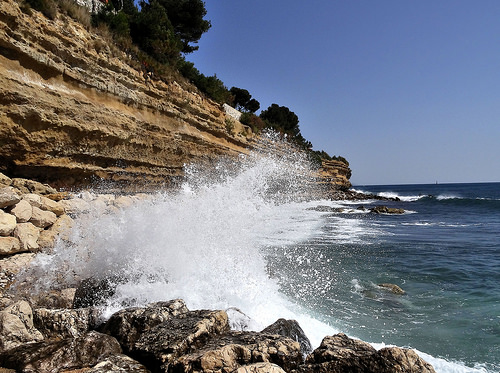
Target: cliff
x=73 y=110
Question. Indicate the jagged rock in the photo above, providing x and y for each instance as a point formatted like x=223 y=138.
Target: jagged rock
x=292 y=330
x=8 y=197
x=386 y=210
x=41 y=218
x=22 y=211
x=7 y=223
x=260 y=368
x=340 y=353
x=34 y=200
x=117 y=363
x=129 y=324
x=65 y=323
x=11 y=265
x=230 y=351
x=9 y=245
x=395 y=289
x=5 y=180
x=16 y=326
x=159 y=346
x=32 y=186
x=57 y=356
x=52 y=206
x=237 y=319
x=94 y=291
x=54 y=299
x=323 y=208
x=28 y=235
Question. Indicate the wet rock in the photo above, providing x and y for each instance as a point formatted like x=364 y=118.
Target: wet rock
x=10 y=266
x=28 y=235
x=118 y=363
x=41 y=218
x=322 y=208
x=237 y=319
x=292 y=330
x=22 y=211
x=62 y=355
x=395 y=289
x=260 y=368
x=129 y=324
x=123 y=202
x=8 y=197
x=65 y=323
x=94 y=291
x=7 y=223
x=386 y=210
x=58 y=196
x=9 y=245
x=60 y=229
x=54 y=299
x=340 y=353
x=229 y=352
x=75 y=206
x=163 y=344
x=16 y=326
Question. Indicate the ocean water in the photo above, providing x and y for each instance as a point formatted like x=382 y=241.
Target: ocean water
x=234 y=236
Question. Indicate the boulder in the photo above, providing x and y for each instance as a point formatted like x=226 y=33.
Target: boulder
x=161 y=345
x=292 y=330
x=65 y=323
x=228 y=352
x=123 y=202
x=22 y=211
x=28 y=235
x=8 y=197
x=117 y=363
x=75 y=206
x=58 y=196
x=16 y=326
x=5 y=180
x=386 y=210
x=10 y=266
x=31 y=186
x=260 y=368
x=60 y=229
x=94 y=291
x=61 y=355
x=129 y=324
x=9 y=245
x=395 y=289
x=7 y=223
x=34 y=199
x=54 y=299
x=41 y=218
x=52 y=206
x=340 y=353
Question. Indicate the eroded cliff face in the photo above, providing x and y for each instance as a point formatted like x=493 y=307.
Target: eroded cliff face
x=73 y=112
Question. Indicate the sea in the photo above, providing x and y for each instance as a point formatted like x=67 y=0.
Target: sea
x=234 y=237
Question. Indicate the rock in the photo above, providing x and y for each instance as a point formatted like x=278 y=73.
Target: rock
x=123 y=202
x=395 y=289
x=58 y=196
x=340 y=353
x=9 y=245
x=28 y=235
x=54 y=299
x=237 y=319
x=52 y=206
x=260 y=368
x=41 y=218
x=229 y=352
x=7 y=223
x=62 y=355
x=8 y=197
x=11 y=265
x=34 y=199
x=16 y=326
x=117 y=363
x=5 y=180
x=161 y=345
x=322 y=208
x=129 y=324
x=60 y=229
x=93 y=291
x=292 y=330
x=75 y=206
x=22 y=211
x=65 y=323
x=32 y=186
x=386 y=210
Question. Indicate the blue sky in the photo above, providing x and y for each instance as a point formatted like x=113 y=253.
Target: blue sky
x=407 y=91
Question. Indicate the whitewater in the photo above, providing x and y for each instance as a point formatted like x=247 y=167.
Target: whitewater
x=234 y=237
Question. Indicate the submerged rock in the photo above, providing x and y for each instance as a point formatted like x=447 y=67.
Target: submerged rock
x=395 y=289
x=386 y=210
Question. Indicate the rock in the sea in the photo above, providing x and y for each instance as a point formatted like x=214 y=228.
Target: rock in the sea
x=340 y=353
x=22 y=211
x=28 y=235
x=395 y=289
x=162 y=345
x=16 y=326
x=41 y=218
x=65 y=323
x=8 y=197
x=129 y=324
x=9 y=245
x=290 y=329
x=386 y=210
x=51 y=356
x=231 y=351
x=7 y=223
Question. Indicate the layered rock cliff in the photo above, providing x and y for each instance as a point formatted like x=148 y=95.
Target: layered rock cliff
x=73 y=110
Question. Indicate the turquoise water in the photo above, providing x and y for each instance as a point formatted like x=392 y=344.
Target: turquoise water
x=444 y=252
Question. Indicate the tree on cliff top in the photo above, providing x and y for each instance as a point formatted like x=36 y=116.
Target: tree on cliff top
x=242 y=100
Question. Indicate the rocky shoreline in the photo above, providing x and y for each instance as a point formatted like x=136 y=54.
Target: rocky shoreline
x=63 y=330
